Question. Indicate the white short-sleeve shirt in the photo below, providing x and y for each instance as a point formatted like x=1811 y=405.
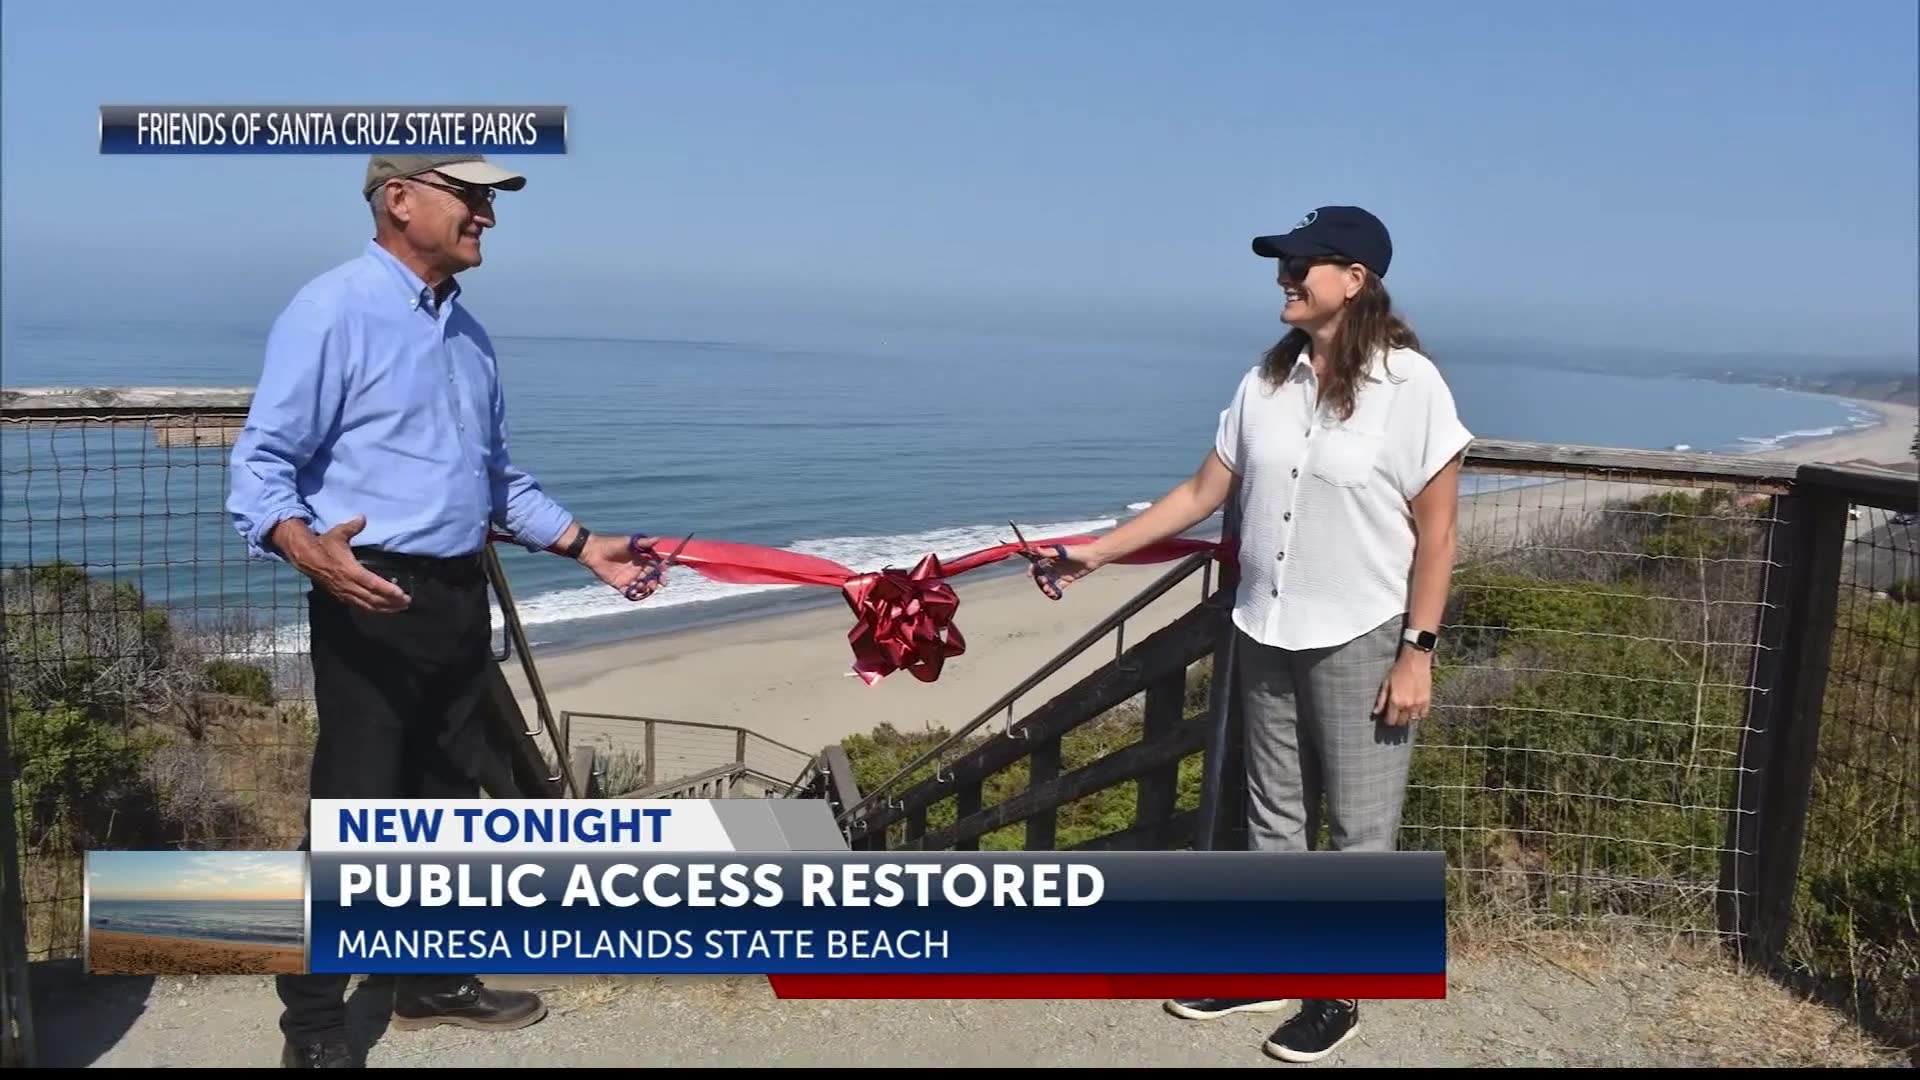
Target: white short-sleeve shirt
x=1326 y=528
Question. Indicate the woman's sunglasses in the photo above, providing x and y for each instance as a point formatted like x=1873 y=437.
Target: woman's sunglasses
x=1295 y=267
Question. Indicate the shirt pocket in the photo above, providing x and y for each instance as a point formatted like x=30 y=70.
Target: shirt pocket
x=1346 y=456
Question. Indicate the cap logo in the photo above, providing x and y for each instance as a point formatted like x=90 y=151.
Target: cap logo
x=1308 y=220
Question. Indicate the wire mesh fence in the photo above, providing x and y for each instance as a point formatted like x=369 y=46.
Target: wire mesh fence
x=1582 y=757
x=156 y=686
x=156 y=680
x=1604 y=666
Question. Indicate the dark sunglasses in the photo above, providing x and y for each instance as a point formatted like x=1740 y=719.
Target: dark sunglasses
x=472 y=196
x=1296 y=267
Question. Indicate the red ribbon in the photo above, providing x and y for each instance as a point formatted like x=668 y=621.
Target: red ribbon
x=903 y=619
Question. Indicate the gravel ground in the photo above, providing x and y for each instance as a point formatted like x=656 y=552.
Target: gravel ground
x=1511 y=1007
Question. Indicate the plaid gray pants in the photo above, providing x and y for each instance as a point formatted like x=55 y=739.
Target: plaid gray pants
x=1310 y=732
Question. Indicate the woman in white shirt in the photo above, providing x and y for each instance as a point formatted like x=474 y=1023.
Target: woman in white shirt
x=1347 y=447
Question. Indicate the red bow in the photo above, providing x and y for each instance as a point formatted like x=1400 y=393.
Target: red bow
x=903 y=619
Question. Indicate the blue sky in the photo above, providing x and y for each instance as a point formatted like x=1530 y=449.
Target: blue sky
x=197 y=875
x=1708 y=175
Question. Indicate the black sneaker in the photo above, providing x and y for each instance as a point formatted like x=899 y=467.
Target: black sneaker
x=1315 y=1030
x=1215 y=1008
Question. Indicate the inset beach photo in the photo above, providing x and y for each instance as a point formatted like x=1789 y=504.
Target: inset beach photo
x=196 y=912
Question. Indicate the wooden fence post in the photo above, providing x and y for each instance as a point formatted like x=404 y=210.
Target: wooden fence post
x=649 y=774
x=16 y=1001
x=1778 y=752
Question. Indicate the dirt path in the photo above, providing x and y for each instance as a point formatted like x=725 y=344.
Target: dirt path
x=1517 y=1006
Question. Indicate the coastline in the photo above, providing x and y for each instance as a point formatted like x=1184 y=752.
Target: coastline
x=118 y=952
x=785 y=674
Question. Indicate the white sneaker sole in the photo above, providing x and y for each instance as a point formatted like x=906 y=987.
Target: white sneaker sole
x=1301 y=1057
x=1187 y=1013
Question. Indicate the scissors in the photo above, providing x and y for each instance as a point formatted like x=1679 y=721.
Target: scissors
x=1048 y=581
x=639 y=586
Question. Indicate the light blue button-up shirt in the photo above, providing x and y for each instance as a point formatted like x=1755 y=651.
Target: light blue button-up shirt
x=375 y=400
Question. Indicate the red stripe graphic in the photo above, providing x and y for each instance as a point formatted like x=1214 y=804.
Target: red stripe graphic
x=1375 y=987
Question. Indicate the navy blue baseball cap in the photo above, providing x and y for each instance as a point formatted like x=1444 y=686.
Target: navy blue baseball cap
x=1345 y=231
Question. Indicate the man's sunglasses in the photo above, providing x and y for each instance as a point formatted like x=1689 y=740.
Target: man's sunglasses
x=472 y=196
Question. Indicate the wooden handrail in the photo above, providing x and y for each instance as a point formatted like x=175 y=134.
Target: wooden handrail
x=732 y=769
x=1133 y=606
x=1174 y=647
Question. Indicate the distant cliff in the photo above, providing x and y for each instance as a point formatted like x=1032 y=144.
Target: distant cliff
x=1865 y=385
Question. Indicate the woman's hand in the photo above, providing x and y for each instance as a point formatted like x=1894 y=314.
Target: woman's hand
x=1079 y=561
x=1190 y=502
x=1408 y=690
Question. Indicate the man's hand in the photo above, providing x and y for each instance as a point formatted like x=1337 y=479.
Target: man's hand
x=612 y=560
x=328 y=559
x=1408 y=690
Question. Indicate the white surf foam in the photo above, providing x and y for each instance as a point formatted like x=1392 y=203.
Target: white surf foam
x=1768 y=442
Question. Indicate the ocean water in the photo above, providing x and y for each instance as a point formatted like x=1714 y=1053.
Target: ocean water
x=872 y=453
x=270 y=922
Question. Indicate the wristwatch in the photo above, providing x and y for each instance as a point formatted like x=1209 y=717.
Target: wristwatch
x=579 y=543
x=1424 y=640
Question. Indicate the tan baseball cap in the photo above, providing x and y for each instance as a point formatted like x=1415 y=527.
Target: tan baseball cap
x=466 y=168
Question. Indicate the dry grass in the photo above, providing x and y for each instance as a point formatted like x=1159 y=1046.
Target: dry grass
x=1686 y=994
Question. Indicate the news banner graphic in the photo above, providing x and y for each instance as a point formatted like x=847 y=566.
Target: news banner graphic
x=333 y=129
x=768 y=887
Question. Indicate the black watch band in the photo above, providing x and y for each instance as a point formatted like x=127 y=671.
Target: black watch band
x=579 y=543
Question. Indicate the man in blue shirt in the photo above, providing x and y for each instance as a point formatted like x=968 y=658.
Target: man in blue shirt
x=374 y=460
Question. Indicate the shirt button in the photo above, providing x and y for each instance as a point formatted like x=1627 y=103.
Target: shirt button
x=1288 y=516
x=1296 y=472
x=1281 y=557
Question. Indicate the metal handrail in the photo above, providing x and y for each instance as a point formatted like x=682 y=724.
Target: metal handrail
x=733 y=771
x=517 y=634
x=1161 y=586
x=571 y=713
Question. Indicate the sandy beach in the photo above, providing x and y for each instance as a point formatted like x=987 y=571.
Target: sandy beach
x=112 y=952
x=787 y=676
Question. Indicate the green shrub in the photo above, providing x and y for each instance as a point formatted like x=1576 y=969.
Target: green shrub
x=248 y=681
x=77 y=774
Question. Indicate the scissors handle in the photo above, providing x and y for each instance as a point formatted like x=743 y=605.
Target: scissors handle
x=639 y=587
x=1048 y=581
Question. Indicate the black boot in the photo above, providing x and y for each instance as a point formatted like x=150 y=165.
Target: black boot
x=467 y=1004
x=318 y=1055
